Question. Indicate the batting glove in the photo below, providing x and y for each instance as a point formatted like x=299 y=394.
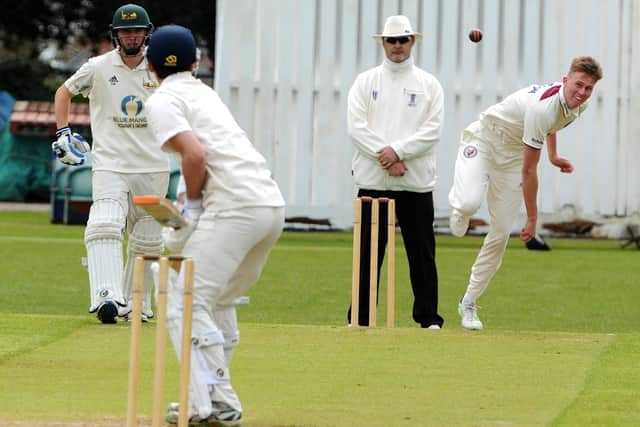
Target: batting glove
x=174 y=240
x=70 y=148
x=192 y=209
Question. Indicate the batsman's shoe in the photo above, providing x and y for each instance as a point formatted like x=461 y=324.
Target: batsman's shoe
x=222 y=416
x=129 y=317
x=173 y=415
x=108 y=312
x=225 y=415
x=458 y=223
x=469 y=316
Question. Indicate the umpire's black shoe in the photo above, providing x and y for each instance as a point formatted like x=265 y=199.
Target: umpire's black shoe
x=108 y=312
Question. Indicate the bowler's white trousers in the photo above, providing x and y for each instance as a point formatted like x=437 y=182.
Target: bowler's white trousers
x=489 y=163
x=229 y=248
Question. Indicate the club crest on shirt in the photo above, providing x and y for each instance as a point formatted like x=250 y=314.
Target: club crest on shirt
x=470 y=151
x=412 y=100
x=374 y=94
x=149 y=84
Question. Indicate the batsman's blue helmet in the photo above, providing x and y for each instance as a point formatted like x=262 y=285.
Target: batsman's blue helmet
x=172 y=48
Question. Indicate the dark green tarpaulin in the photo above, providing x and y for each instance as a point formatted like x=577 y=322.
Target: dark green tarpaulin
x=25 y=167
x=25 y=161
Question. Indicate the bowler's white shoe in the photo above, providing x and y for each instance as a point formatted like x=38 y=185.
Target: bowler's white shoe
x=458 y=223
x=469 y=315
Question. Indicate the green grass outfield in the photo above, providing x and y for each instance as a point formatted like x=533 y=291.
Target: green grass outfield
x=560 y=347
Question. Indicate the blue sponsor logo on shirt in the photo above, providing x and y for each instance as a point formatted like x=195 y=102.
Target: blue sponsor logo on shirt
x=131 y=106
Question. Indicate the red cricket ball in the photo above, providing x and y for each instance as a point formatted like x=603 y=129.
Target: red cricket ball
x=475 y=35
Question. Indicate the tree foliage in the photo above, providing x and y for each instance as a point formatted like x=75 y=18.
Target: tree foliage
x=27 y=26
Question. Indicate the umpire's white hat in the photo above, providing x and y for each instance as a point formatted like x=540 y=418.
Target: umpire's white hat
x=397 y=26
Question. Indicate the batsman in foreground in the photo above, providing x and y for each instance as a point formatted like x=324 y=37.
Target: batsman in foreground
x=125 y=163
x=498 y=157
x=236 y=215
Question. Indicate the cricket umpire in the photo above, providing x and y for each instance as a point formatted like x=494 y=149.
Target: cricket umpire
x=394 y=117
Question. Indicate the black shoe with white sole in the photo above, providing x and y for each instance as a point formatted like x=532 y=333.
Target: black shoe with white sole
x=108 y=312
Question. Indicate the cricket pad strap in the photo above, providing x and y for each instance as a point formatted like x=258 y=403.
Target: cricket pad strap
x=208 y=339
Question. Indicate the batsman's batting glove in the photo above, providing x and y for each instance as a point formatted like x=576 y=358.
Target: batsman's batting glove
x=192 y=209
x=174 y=240
x=70 y=148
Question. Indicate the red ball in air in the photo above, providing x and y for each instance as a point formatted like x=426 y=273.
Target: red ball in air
x=475 y=35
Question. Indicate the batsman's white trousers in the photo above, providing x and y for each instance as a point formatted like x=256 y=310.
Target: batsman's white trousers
x=489 y=163
x=229 y=248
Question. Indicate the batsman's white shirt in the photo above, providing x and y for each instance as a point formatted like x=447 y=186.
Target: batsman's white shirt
x=237 y=174
x=397 y=105
x=122 y=140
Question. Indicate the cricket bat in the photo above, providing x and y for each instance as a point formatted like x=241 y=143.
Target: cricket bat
x=162 y=210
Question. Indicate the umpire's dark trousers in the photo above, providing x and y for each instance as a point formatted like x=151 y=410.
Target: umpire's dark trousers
x=414 y=212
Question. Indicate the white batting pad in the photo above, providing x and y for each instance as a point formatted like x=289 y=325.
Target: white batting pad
x=144 y=239
x=227 y=320
x=103 y=240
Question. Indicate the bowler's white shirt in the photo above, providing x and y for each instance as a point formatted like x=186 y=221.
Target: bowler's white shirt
x=532 y=113
x=237 y=174
x=122 y=140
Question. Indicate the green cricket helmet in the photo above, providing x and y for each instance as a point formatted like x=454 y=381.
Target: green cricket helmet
x=129 y=16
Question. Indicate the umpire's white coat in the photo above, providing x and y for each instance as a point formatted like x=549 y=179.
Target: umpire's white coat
x=397 y=105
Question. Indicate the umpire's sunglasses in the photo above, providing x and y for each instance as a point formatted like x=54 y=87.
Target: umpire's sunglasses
x=393 y=40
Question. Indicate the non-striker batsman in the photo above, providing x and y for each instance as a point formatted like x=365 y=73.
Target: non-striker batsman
x=125 y=161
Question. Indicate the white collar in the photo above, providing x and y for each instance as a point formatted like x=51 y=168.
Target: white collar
x=180 y=75
x=396 y=67
x=118 y=61
x=565 y=108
